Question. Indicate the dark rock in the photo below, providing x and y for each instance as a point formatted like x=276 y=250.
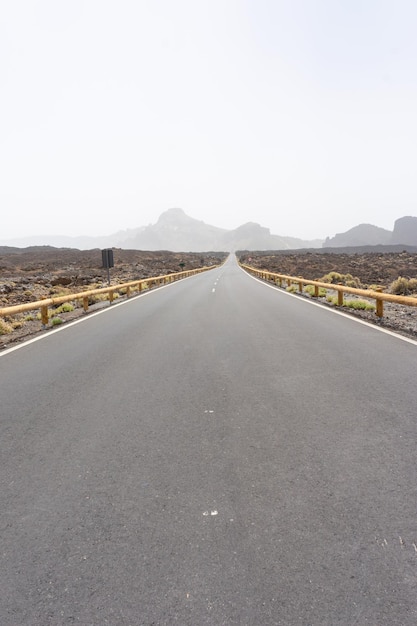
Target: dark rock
x=61 y=280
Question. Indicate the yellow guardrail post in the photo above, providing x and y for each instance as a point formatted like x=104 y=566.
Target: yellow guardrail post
x=340 y=295
x=379 y=304
x=44 y=315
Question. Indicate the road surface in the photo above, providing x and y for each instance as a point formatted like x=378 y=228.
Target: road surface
x=213 y=452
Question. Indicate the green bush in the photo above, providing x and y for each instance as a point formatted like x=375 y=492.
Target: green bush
x=352 y=303
x=56 y=321
x=345 y=279
x=67 y=307
x=362 y=305
x=332 y=277
x=350 y=281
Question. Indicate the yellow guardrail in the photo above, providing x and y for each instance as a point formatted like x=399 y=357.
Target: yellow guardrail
x=372 y=294
x=135 y=285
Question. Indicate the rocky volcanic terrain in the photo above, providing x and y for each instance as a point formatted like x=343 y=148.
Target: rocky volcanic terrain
x=370 y=268
x=31 y=274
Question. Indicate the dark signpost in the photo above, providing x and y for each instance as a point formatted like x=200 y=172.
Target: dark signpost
x=108 y=261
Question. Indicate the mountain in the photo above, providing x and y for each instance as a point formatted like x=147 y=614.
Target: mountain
x=361 y=235
x=252 y=236
x=177 y=232
x=405 y=231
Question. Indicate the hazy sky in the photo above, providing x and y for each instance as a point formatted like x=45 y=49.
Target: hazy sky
x=300 y=115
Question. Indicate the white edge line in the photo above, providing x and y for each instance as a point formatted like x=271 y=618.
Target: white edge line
x=110 y=307
x=330 y=310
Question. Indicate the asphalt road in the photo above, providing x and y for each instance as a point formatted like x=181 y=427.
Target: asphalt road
x=214 y=452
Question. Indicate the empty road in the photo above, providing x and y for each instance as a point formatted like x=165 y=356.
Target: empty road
x=213 y=452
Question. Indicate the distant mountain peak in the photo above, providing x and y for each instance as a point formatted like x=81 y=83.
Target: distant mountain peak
x=173 y=215
x=405 y=230
x=252 y=227
x=360 y=235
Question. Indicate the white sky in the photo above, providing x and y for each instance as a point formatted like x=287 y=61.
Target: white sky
x=300 y=115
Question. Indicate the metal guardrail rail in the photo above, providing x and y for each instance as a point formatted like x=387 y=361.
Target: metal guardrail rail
x=378 y=295
x=128 y=288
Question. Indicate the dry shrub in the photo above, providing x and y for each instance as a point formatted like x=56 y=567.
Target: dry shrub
x=58 y=290
x=5 y=327
x=404 y=286
x=335 y=278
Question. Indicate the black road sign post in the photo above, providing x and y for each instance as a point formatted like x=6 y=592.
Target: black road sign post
x=108 y=261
